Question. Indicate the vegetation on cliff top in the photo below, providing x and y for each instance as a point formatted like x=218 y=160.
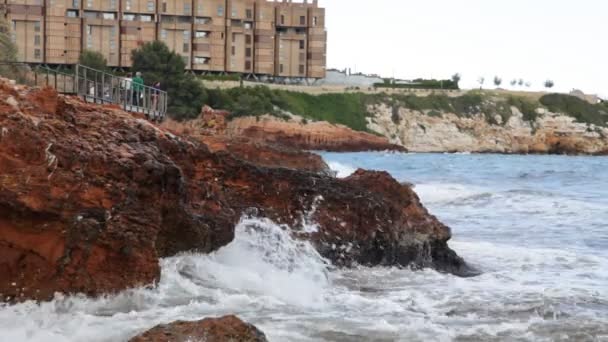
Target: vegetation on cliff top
x=351 y=109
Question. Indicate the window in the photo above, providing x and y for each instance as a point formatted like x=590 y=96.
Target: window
x=248 y=14
x=75 y=3
x=36 y=40
x=282 y=19
x=248 y=39
x=128 y=17
x=247 y=26
x=314 y=21
x=71 y=14
x=163 y=34
x=164 y=7
x=233 y=51
x=109 y=16
x=281 y=68
x=37 y=54
x=201 y=60
x=201 y=34
x=234 y=14
x=128 y=5
x=151 y=6
x=186 y=41
x=186 y=60
x=187 y=8
x=248 y=65
x=234 y=37
x=145 y=18
x=112 y=4
x=89 y=3
x=248 y=52
x=220 y=11
x=302 y=20
x=37 y=26
x=301 y=69
x=301 y=45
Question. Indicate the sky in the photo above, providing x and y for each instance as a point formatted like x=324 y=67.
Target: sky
x=562 y=40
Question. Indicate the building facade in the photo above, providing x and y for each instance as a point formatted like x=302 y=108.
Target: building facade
x=257 y=37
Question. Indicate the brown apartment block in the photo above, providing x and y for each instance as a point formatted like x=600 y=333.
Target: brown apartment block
x=257 y=37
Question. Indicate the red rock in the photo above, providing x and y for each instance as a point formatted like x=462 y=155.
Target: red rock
x=228 y=328
x=312 y=136
x=91 y=197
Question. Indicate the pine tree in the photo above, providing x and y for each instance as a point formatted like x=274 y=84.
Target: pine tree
x=8 y=51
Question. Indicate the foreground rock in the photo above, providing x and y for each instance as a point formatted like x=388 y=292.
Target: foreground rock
x=549 y=133
x=228 y=328
x=91 y=197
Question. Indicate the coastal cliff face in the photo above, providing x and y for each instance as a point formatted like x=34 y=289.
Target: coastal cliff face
x=433 y=131
x=91 y=197
x=319 y=135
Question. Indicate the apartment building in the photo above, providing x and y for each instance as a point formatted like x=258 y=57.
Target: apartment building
x=257 y=37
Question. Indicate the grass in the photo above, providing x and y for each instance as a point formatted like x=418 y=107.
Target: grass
x=577 y=108
x=350 y=109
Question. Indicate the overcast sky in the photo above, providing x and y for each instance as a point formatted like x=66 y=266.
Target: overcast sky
x=564 y=40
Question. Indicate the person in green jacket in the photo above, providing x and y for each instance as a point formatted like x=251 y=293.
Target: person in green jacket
x=138 y=87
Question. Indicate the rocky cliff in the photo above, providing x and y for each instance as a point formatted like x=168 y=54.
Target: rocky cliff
x=437 y=131
x=91 y=197
x=318 y=135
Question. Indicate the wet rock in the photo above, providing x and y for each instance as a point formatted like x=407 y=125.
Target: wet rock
x=228 y=328
x=91 y=197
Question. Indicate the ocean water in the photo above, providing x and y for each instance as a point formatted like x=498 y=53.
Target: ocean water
x=536 y=226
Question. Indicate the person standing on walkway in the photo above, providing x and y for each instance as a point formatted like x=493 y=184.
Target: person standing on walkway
x=138 y=86
x=155 y=95
x=126 y=85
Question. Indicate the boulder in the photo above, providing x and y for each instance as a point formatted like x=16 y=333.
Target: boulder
x=227 y=328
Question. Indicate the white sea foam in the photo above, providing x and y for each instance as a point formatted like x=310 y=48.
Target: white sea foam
x=343 y=170
x=542 y=251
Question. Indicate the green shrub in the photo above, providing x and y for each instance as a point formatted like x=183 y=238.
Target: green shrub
x=93 y=59
x=525 y=106
x=577 y=108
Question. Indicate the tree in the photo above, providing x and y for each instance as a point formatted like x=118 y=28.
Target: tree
x=159 y=64
x=520 y=82
x=456 y=79
x=513 y=83
x=93 y=59
x=549 y=84
x=9 y=52
x=528 y=84
x=481 y=81
x=497 y=81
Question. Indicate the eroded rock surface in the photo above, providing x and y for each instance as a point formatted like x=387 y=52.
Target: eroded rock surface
x=550 y=133
x=228 y=328
x=91 y=197
x=319 y=135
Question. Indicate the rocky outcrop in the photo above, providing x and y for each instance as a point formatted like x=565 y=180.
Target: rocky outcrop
x=549 y=133
x=318 y=135
x=228 y=328
x=91 y=197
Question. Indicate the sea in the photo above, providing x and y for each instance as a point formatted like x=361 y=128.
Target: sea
x=536 y=227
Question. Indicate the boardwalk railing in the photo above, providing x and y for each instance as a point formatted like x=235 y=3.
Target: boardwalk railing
x=93 y=86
